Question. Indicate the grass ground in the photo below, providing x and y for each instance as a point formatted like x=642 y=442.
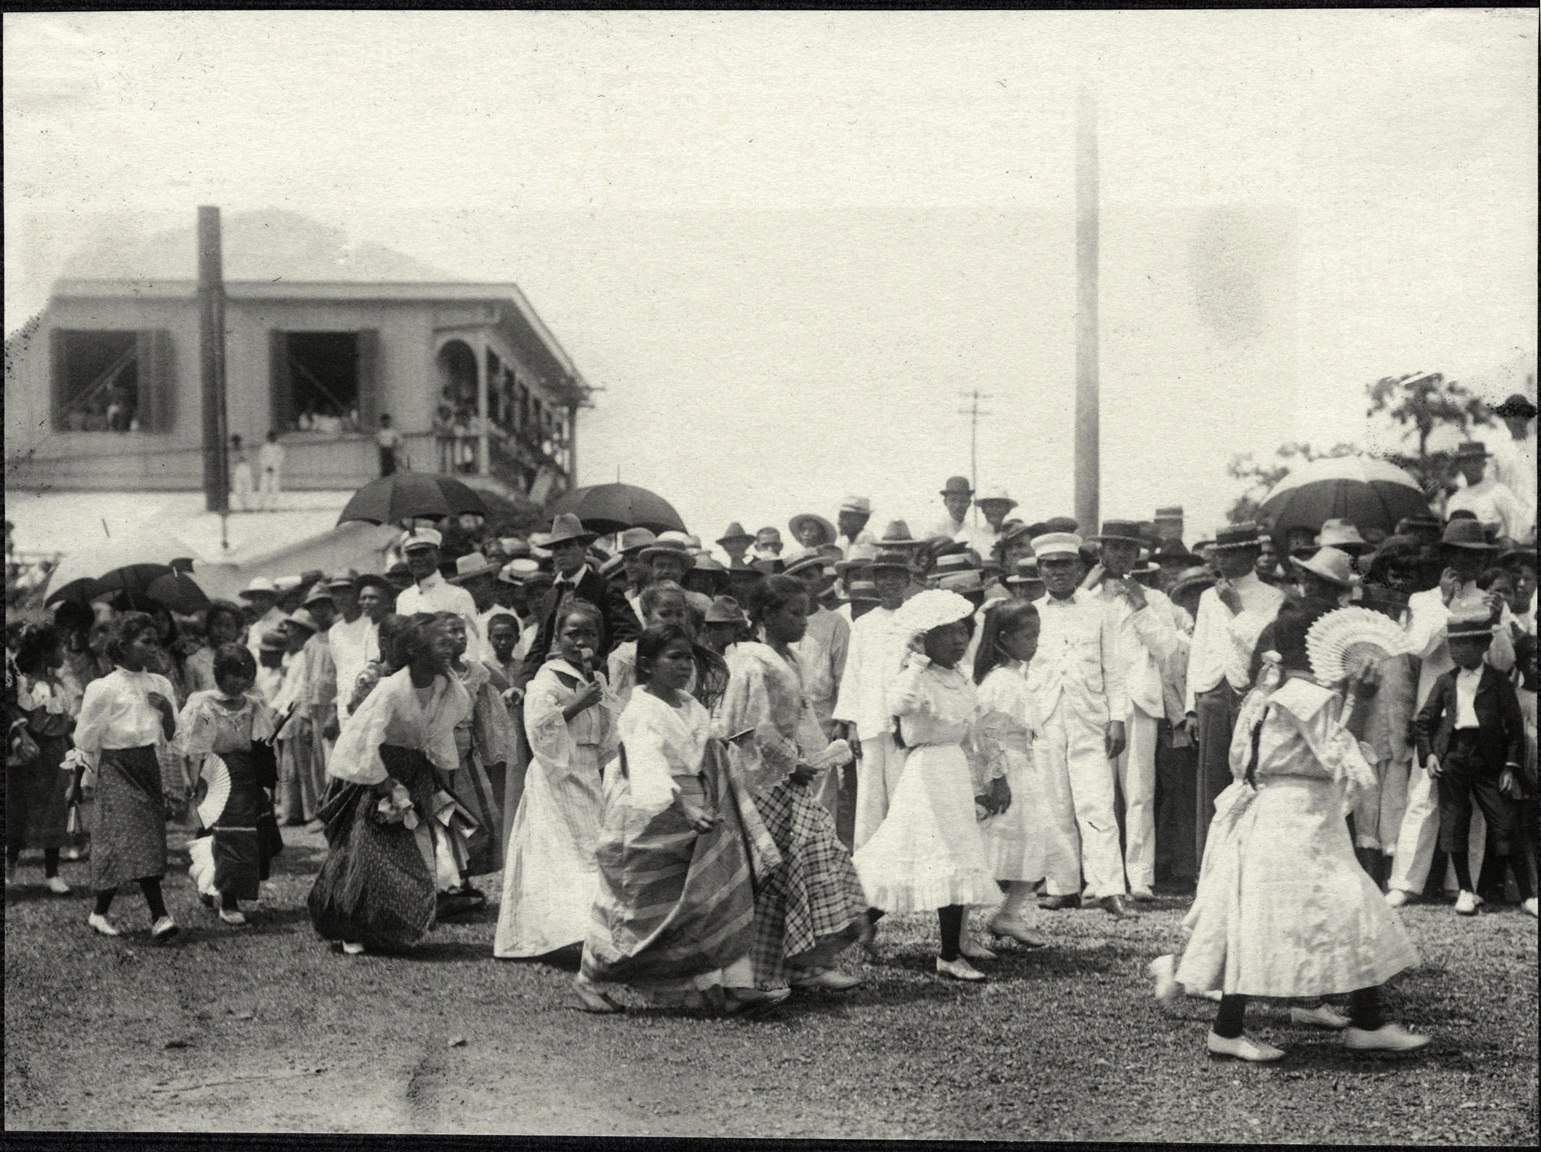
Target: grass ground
x=266 y=1029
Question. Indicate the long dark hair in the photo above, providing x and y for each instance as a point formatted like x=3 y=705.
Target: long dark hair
x=1002 y=618
x=773 y=594
x=125 y=628
x=35 y=645
x=711 y=669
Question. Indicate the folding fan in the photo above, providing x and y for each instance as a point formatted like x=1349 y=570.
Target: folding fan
x=1346 y=639
x=216 y=781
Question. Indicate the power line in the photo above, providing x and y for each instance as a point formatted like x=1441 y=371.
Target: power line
x=974 y=412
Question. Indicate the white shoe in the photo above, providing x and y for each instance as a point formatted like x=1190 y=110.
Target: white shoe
x=1163 y=971
x=57 y=886
x=1142 y=895
x=1322 y=1016
x=1396 y=897
x=163 y=929
x=1467 y=903
x=1203 y=993
x=972 y=950
x=1386 y=1038
x=1529 y=907
x=830 y=979
x=1015 y=928
x=102 y=926
x=233 y=917
x=352 y=948
x=959 y=969
x=1243 y=1047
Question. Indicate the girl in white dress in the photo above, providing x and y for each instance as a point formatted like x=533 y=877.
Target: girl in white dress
x=550 y=877
x=662 y=602
x=928 y=852
x=1283 y=908
x=1004 y=734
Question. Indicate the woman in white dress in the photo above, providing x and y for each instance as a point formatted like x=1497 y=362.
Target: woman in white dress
x=550 y=874
x=1283 y=908
x=1004 y=734
x=928 y=853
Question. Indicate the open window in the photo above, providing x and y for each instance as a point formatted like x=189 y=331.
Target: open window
x=324 y=381
x=112 y=380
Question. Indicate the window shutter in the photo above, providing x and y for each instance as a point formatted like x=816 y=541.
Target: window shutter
x=280 y=380
x=157 y=381
x=58 y=347
x=369 y=399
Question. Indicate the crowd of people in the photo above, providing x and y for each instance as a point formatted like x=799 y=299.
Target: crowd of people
x=711 y=774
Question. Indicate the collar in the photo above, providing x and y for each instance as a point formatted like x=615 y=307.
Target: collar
x=1068 y=602
x=574 y=578
x=1248 y=579
x=430 y=581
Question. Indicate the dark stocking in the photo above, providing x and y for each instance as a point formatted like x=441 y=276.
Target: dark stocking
x=874 y=915
x=950 y=919
x=1228 y=1019
x=50 y=862
x=1462 y=867
x=1364 y=1008
x=13 y=856
x=152 y=896
x=228 y=902
x=104 y=900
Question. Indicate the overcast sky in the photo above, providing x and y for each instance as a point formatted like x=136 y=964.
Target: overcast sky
x=784 y=242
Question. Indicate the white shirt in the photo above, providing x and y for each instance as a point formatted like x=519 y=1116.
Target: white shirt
x=1514 y=466
x=822 y=655
x=1466 y=681
x=1147 y=641
x=874 y=657
x=1078 y=660
x=1494 y=506
x=270 y=621
x=436 y=594
x=1427 y=620
x=845 y=543
x=270 y=457
x=353 y=646
x=1217 y=635
x=947 y=526
x=116 y=711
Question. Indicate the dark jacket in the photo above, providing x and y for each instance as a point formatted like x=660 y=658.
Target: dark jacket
x=1501 y=732
x=619 y=622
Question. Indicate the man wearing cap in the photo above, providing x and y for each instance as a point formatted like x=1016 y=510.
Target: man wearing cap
x=874 y=657
x=957 y=494
x=1497 y=508
x=353 y=639
x=431 y=592
x=1169 y=523
x=271 y=649
x=1466 y=552
x=821 y=658
x=568 y=543
x=851 y=525
x=1078 y=684
x=1148 y=626
x=1232 y=615
x=261 y=611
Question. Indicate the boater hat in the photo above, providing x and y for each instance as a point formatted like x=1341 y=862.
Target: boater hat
x=663 y=547
x=1063 y=524
x=1170 y=512
x=861 y=556
x=953 y=564
x=1126 y=530
x=808 y=562
x=259 y=586
x=890 y=560
x=1237 y=537
x=1172 y=551
x=734 y=534
x=1472 y=450
x=863 y=592
x=518 y=571
x=346 y=579
x=1469 y=628
x=1026 y=572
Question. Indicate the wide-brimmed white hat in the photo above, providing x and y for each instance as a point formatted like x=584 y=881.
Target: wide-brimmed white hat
x=930 y=609
x=1330 y=564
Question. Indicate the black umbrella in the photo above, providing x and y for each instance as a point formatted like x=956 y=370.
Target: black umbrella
x=407 y=495
x=1368 y=492
x=606 y=508
x=134 y=579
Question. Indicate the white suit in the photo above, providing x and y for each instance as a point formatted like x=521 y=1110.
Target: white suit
x=874 y=657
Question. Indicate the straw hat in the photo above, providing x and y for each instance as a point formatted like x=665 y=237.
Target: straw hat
x=1331 y=564
x=995 y=495
x=518 y=571
x=1344 y=536
x=259 y=586
x=802 y=520
x=1237 y=537
x=735 y=534
x=470 y=566
x=302 y=619
x=859 y=505
x=897 y=535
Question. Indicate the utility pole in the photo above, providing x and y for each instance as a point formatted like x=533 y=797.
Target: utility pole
x=1087 y=211
x=211 y=316
x=974 y=412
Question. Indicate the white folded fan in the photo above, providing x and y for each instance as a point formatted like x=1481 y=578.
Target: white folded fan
x=216 y=781
x=1344 y=640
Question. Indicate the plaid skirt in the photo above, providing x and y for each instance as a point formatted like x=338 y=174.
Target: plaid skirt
x=810 y=908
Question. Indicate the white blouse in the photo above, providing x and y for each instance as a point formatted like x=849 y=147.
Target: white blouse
x=661 y=743
x=116 y=711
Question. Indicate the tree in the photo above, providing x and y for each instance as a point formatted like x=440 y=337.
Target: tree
x=1261 y=477
x=1418 y=405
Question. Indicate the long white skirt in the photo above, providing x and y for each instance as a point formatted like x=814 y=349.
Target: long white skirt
x=928 y=852
x=550 y=873
x=1283 y=908
x=1014 y=839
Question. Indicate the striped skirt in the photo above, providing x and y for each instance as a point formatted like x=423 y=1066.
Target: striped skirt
x=673 y=903
x=128 y=839
x=811 y=907
x=472 y=786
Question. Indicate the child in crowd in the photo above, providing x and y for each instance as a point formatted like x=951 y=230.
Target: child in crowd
x=227 y=732
x=662 y=602
x=123 y=717
x=928 y=852
x=1471 y=737
x=36 y=804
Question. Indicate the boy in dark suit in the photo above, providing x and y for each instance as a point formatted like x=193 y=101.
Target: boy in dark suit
x=1471 y=737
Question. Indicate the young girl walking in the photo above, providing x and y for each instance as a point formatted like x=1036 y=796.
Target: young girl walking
x=226 y=732
x=550 y=875
x=36 y=802
x=1004 y=734
x=123 y=717
x=928 y=853
x=1283 y=908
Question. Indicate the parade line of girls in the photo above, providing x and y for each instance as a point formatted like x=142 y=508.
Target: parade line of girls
x=675 y=841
